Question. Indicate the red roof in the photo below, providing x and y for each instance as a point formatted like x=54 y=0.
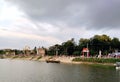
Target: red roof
x=85 y=50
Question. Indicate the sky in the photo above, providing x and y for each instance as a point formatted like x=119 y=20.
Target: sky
x=48 y=22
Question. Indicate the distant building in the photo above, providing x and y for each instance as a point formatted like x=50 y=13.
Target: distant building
x=41 y=51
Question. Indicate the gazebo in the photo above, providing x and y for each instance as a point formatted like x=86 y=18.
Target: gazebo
x=85 y=50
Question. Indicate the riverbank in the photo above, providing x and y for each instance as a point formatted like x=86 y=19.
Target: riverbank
x=63 y=59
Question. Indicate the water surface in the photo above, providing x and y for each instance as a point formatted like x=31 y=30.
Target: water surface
x=34 y=71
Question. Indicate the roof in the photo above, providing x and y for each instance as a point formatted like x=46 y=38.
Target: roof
x=85 y=50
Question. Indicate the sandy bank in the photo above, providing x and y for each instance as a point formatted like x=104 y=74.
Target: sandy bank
x=62 y=59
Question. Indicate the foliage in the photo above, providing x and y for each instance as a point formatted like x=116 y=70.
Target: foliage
x=66 y=48
x=35 y=50
x=97 y=60
x=2 y=52
x=77 y=53
x=18 y=51
x=95 y=43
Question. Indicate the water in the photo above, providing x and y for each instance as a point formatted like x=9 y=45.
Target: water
x=33 y=71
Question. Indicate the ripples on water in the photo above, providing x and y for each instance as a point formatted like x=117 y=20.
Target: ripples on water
x=33 y=71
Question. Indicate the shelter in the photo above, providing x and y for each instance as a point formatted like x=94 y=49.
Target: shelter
x=85 y=51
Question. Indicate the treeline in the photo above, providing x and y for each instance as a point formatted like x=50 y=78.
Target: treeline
x=10 y=51
x=98 y=42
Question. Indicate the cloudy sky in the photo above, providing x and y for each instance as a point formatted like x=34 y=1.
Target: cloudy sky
x=48 y=22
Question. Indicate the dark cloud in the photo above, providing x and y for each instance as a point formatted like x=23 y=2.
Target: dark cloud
x=92 y=14
x=104 y=14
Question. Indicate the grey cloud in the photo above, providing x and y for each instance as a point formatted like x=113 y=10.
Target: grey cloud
x=92 y=14
x=104 y=14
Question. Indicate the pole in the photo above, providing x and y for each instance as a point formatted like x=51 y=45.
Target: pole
x=56 y=52
x=87 y=50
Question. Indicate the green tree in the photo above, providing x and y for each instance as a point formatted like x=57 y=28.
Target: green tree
x=69 y=47
x=115 y=43
x=83 y=42
x=2 y=52
x=35 y=50
x=101 y=42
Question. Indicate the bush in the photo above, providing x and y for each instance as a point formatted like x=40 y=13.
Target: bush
x=76 y=53
x=97 y=60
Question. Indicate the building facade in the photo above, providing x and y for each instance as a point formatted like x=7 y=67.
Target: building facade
x=41 y=51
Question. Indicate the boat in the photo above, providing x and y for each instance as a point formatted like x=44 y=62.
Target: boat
x=117 y=68
x=118 y=65
x=52 y=61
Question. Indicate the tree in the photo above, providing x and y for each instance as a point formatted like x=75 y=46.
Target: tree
x=69 y=47
x=95 y=43
x=83 y=42
x=17 y=52
x=2 y=52
x=53 y=49
x=115 y=43
x=35 y=50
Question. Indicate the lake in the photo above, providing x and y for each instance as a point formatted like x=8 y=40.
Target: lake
x=34 y=71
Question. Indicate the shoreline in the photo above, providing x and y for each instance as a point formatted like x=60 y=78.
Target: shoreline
x=66 y=60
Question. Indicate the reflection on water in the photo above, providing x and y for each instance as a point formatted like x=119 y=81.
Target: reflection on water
x=33 y=71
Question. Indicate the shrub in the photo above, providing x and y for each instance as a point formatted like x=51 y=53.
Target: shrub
x=97 y=60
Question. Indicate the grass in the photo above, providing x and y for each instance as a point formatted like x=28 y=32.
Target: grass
x=97 y=60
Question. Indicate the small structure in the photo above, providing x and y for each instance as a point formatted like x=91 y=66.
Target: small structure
x=41 y=51
x=85 y=50
x=100 y=55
